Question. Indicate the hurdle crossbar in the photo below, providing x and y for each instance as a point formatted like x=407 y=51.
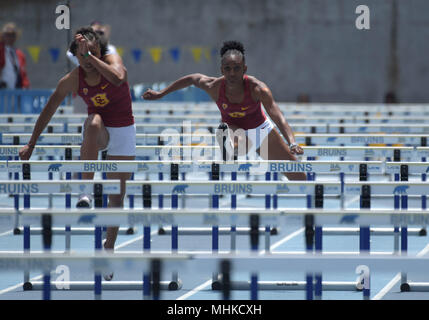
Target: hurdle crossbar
x=66 y=186
x=349 y=139
x=205 y=166
x=204 y=152
x=209 y=217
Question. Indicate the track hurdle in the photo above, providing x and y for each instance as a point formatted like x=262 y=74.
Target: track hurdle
x=45 y=187
x=215 y=188
x=402 y=172
x=383 y=217
x=306 y=139
x=179 y=152
x=66 y=167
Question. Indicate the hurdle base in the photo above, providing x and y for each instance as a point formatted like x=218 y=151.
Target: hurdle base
x=78 y=231
x=105 y=285
x=289 y=285
x=415 y=287
x=27 y=286
x=333 y=231
x=208 y=231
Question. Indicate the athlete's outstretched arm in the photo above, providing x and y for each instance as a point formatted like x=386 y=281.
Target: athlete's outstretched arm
x=276 y=115
x=64 y=87
x=199 y=80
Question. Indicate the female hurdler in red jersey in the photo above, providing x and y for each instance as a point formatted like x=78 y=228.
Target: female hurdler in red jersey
x=239 y=99
x=101 y=80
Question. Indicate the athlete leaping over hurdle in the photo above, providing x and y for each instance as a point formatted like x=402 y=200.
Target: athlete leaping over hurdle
x=101 y=80
x=239 y=98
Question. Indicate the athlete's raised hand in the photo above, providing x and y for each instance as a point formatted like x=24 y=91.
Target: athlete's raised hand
x=296 y=149
x=82 y=44
x=25 y=152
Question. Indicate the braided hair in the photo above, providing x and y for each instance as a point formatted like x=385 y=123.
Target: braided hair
x=232 y=48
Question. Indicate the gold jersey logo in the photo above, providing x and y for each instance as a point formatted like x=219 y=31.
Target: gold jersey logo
x=237 y=114
x=100 y=100
x=224 y=106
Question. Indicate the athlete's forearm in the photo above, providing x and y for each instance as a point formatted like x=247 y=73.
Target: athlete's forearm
x=283 y=126
x=110 y=72
x=181 y=83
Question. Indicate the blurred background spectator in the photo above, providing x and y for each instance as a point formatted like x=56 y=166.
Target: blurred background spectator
x=13 y=74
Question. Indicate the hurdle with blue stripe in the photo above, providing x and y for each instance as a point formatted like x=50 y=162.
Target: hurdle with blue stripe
x=201 y=152
x=307 y=139
x=397 y=188
x=47 y=262
x=28 y=187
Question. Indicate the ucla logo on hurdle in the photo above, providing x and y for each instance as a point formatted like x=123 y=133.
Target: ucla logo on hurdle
x=334 y=168
x=400 y=190
x=86 y=219
x=70 y=139
x=147 y=219
x=142 y=167
x=180 y=188
x=55 y=167
x=283 y=188
x=229 y=188
x=367 y=140
x=9 y=151
x=409 y=219
x=98 y=167
x=14 y=166
x=349 y=219
x=331 y=152
x=291 y=167
x=369 y=153
x=244 y=167
x=15 y=188
x=100 y=100
x=65 y=187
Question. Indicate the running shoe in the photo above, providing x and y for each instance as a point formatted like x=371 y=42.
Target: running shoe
x=84 y=201
x=221 y=132
x=107 y=275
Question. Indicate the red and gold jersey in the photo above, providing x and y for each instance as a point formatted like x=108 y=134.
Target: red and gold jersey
x=112 y=103
x=246 y=115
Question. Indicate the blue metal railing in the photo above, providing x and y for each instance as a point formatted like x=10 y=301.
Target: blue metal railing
x=33 y=101
x=23 y=101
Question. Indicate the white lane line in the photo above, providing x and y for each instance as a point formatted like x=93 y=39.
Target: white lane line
x=6 y=233
x=286 y=239
x=195 y=290
x=388 y=287
x=397 y=278
x=424 y=251
x=208 y=282
x=19 y=285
